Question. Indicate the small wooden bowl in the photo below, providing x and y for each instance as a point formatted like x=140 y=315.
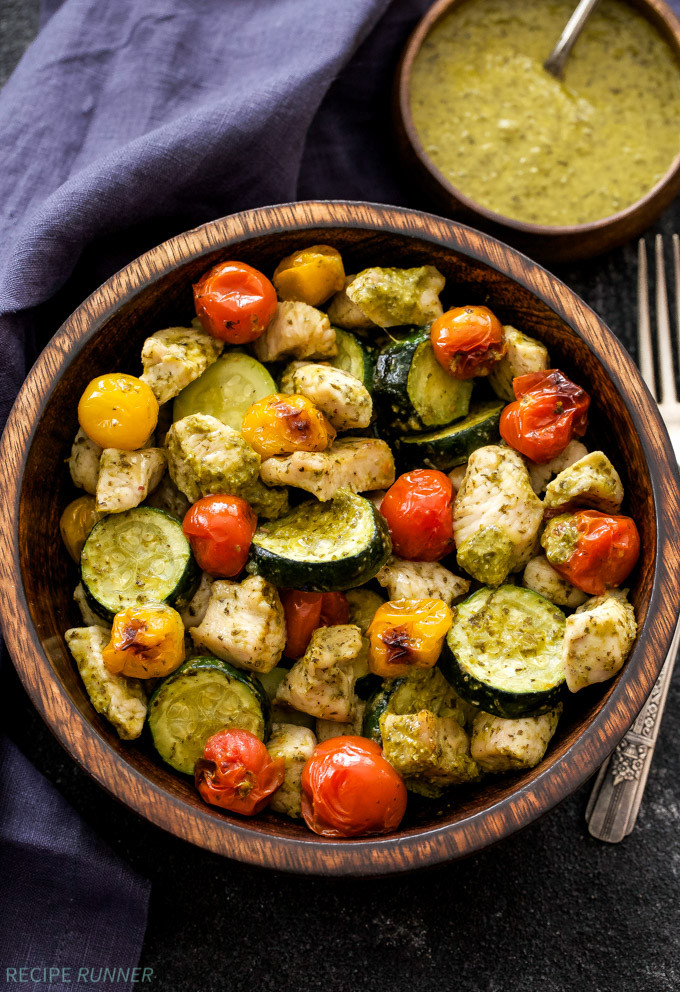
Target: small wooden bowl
x=542 y=241
x=106 y=332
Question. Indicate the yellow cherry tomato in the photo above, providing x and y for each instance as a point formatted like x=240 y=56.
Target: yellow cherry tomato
x=310 y=276
x=407 y=634
x=76 y=522
x=283 y=423
x=118 y=411
x=146 y=641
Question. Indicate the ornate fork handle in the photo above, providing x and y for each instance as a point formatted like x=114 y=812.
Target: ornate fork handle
x=620 y=784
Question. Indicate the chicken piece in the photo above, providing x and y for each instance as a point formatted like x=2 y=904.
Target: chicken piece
x=524 y=355
x=363 y=604
x=193 y=613
x=457 y=476
x=496 y=515
x=286 y=378
x=174 y=357
x=358 y=464
x=325 y=729
x=84 y=462
x=120 y=699
x=166 y=496
x=244 y=624
x=500 y=745
x=296 y=331
x=420 y=580
x=597 y=640
x=540 y=576
x=90 y=618
x=321 y=683
x=205 y=456
x=127 y=477
x=341 y=396
x=422 y=744
x=592 y=481
x=295 y=745
x=268 y=502
x=345 y=313
x=392 y=297
x=541 y=473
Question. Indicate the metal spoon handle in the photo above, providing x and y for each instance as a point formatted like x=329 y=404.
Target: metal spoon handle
x=576 y=23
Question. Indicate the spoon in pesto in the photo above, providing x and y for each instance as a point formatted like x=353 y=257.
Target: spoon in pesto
x=576 y=23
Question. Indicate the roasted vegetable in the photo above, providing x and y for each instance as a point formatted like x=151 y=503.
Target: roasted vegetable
x=237 y=772
x=550 y=410
x=146 y=642
x=449 y=446
x=234 y=302
x=305 y=612
x=220 y=529
x=310 y=276
x=418 y=509
x=407 y=634
x=468 y=341
x=592 y=550
x=280 y=424
x=118 y=411
x=174 y=357
x=226 y=390
x=76 y=522
x=363 y=604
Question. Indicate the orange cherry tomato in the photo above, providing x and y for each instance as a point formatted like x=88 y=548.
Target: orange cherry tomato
x=467 y=341
x=407 y=634
x=350 y=790
x=282 y=423
x=592 y=550
x=220 y=529
x=305 y=611
x=237 y=772
x=147 y=641
x=549 y=412
x=418 y=509
x=234 y=302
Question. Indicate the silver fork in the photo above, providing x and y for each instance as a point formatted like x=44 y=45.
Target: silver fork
x=620 y=784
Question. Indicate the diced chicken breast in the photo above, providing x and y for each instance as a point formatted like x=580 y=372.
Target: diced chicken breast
x=205 y=456
x=541 y=473
x=496 y=515
x=500 y=745
x=174 y=357
x=345 y=313
x=358 y=464
x=127 y=477
x=523 y=355
x=197 y=607
x=244 y=624
x=286 y=378
x=322 y=682
x=121 y=700
x=84 y=462
x=425 y=745
x=296 y=331
x=391 y=297
x=166 y=496
x=295 y=745
x=339 y=395
x=592 y=481
x=597 y=640
x=421 y=580
x=540 y=576
x=90 y=618
x=325 y=729
x=457 y=476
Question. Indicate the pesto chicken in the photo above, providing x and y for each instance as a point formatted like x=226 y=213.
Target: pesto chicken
x=425 y=746
x=592 y=482
x=344 y=312
x=391 y=297
x=175 y=356
x=359 y=464
x=339 y=395
x=296 y=331
x=502 y=745
x=84 y=462
x=295 y=745
x=523 y=355
x=540 y=576
x=541 y=474
x=421 y=580
x=597 y=640
x=322 y=682
x=127 y=477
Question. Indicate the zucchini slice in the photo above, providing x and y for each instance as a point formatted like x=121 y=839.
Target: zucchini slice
x=504 y=651
x=321 y=547
x=450 y=446
x=354 y=356
x=203 y=696
x=139 y=556
x=225 y=390
x=412 y=388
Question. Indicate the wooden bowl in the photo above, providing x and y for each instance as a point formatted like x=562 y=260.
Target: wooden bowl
x=542 y=241
x=106 y=332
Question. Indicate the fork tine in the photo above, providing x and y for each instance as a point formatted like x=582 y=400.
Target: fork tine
x=644 y=333
x=663 y=329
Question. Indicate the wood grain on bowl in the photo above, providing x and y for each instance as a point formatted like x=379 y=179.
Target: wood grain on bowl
x=106 y=332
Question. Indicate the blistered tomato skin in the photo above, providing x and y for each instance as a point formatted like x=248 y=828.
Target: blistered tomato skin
x=146 y=642
x=237 y=772
x=234 y=302
x=220 y=530
x=406 y=635
x=118 y=411
x=418 y=509
x=350 y=790
x=603 y=549
x=549 y=412
x=283 y=423
x=468 y=341
x=305 y=612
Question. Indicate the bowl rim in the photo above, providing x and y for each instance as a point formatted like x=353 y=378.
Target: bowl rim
x=546 y=232
x=415 y=847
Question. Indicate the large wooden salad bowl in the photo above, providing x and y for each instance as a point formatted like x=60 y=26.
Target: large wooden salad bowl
x=106 y=332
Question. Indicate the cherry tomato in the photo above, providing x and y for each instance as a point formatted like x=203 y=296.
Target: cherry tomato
x=282 y=423
x=305 y=611
x=549 y=412
x=418 y=509
x=220 y=529
x=592 y=550
x=234 y=302
x=147 y=641
x=118 y=411
x=467 y=341
x=349 y=789
x=407 y=634
x=237 y=772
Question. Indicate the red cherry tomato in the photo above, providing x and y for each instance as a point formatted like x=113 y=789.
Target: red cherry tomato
x=237 y=773
x=467 y=341
x=234 y=302
x=605 y=551
x=418 y=509
x=549 y=412
x=305 y=611
x=220 y=529
x=349 y=789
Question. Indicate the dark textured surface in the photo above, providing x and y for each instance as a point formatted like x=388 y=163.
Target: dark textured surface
x=551 y=909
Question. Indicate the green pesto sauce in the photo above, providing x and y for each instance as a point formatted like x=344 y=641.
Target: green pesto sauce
x=518 y=141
